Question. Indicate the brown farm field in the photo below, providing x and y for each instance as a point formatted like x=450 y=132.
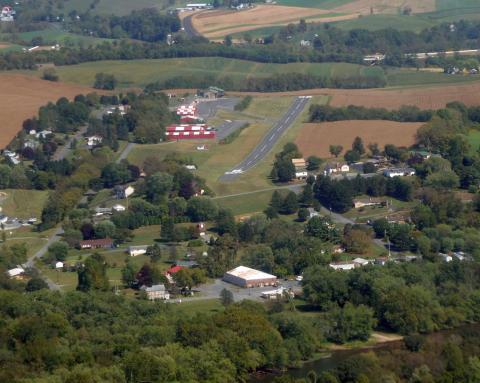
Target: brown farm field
x=21 y=97
x=315 y=139
x=219 y=23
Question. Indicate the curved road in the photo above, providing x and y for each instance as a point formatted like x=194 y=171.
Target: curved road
x=189 y=28
x=270 y=139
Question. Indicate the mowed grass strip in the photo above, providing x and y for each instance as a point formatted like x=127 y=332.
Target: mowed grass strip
x=143 y=72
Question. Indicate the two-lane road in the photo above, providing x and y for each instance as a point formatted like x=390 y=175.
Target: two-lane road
x=270 y=139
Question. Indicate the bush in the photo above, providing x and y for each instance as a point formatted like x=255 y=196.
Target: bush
x=244 y=104
x=50 y=75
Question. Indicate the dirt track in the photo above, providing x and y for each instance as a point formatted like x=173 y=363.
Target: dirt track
x=315 y=139
x=21 y=96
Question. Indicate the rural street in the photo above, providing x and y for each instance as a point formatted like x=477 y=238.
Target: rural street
x=269 y=141
x=40 y=253
x=63 y=151
x=56 y=236
x=125 y=152
x=188 y=27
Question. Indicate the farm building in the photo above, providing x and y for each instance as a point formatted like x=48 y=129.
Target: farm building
x=343 y=266
x=246 y=277
x=104 y=243
x=133 y=251
x=299 y=163
x=211 y=93
x=301 y=175
x=336 y=168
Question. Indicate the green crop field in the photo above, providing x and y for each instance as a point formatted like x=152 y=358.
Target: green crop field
x=401 y=78
x=142 y=72
x=415 y=23
x=121 y=7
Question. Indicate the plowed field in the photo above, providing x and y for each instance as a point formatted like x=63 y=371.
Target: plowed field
x=315 y=139
x=21 y=96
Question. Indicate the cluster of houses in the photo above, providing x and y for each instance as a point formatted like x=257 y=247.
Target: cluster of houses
x=7 y=14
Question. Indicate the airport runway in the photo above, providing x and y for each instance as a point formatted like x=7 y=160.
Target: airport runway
x=269 y=141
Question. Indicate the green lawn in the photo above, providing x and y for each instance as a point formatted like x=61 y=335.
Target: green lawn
x=23 y=203
x=121 y=7
x=203 y=306
x=246 y=204
x=474 y=140
x=142 y=72
x=414 y=23
x=407 y=77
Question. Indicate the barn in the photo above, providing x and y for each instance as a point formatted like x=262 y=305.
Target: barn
x=246 y=277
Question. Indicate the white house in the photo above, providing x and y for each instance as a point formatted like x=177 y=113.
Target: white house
x=360 y=262
x=118 y=207
x=133 y=251
x=445 y=257
x=398 y=172
x=343 y=266
x=156 y=292
x=191 y=167
x=301 y=175
x=277 y=293
x=93 y=141
x=336 y=168
x=44 y=134
x=59 y=265
x=16 y=272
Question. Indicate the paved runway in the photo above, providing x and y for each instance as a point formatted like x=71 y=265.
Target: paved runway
x=269 y=141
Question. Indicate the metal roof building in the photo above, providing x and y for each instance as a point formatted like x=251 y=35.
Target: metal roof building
x=246 y=277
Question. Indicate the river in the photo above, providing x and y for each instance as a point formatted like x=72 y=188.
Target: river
x=334 y=358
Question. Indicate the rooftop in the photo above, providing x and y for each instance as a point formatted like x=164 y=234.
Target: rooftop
x=249 y=274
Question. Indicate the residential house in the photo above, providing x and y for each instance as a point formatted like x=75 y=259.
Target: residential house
x=382 y=261
x=104 y=243
x=360 y=262
x=342 y=265
x=30 y=144
x=123 y=191
x=460 y=255
x=359 y=203
x=58 y=265
x=44 y=134
x=16 y=272
x=156 y=292
x=445 y=257
x=103 y=210
x=134 y=251
x=118 y=208
x=94 y=141
x=301 y=175
x=398 y=172
x=299 y=163
x=333 y=168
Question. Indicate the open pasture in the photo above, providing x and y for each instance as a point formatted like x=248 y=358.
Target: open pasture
x=315 y=139
x=142 y=72
x=21 y=96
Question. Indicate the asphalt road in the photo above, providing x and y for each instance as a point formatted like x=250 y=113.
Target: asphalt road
x=269 y=141
x=208 y=108
x=188 y=27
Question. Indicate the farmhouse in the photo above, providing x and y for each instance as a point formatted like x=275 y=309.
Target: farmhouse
x=398 y=172
x=246 y=277
x=104 y=243
x=156 y=292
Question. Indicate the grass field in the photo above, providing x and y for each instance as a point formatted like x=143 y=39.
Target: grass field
x=142 y=72
x=474 y=140
x=246 y=204
x=408 y=77
x=415 y=23
x=120 y=7
x=23 y=203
